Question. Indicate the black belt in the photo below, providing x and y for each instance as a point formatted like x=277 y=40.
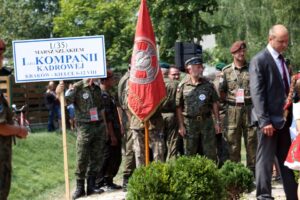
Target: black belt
x=238 y=104
x=199 y=117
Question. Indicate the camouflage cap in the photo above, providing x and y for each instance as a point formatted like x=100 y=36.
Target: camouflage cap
x=237 y=46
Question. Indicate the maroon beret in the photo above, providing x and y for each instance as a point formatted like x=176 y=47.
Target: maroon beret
x=237 y=46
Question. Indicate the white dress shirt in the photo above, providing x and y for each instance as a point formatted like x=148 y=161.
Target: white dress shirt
x=275 y=55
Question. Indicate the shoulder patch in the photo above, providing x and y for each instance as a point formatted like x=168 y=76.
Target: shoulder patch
x=181 y=83
x=78 y=84
x=226 y=67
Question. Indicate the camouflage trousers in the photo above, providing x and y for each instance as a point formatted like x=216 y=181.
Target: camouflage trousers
x=90 y=146
x=156 y=143
x=200 y=137
x=112 y=157
x=129 y=160
x=222 y=146
x=5 y=166
x=171 y=135
x=237 y=124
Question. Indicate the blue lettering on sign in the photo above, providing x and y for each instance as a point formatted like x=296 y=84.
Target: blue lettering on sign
x=65 y=59
x=39 y=68
x=38 y=61
x=48 y=60
x=60 y=67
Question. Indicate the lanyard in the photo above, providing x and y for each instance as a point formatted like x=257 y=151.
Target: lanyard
x=238 y=82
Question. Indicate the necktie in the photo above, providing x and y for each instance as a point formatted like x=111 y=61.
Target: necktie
x=285 y=78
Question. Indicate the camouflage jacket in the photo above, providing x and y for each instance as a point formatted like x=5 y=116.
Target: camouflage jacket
x=5 y=141
x=85 y=97
x=123 y=90
x=110 y=109
x=196 y=99
x=155 y=122
x=169 y=105
x=234 y=79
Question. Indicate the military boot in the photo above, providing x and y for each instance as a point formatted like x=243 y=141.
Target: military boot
x=125 y=182
x=110 y=185
x=79 y=192
x=91 y=189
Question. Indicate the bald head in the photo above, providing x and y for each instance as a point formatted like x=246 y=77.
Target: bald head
x=279 y=38
x=278 y=29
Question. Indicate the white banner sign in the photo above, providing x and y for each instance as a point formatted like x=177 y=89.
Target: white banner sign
x=59 y=59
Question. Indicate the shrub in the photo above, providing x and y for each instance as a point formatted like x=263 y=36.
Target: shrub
x=151 y=182
x=187 y=178
x=236 y=179
x=195 y=178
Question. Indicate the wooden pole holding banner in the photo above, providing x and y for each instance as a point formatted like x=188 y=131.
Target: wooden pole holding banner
x=147 y=143
x=64 y=135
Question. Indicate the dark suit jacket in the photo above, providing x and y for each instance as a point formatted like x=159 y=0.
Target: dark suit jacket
x=267 y=91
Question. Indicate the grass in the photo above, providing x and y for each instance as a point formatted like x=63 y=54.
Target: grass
x=38 y=167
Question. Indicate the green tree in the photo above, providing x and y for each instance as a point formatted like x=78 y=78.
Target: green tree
x=287 y=13
x=113 y=19
x=242 y=20
x=116 y=19
x=181 y=20
x=26 y=19
x=251 y=21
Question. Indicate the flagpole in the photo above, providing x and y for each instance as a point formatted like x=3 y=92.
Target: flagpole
x=64 y=135
x=147 y=143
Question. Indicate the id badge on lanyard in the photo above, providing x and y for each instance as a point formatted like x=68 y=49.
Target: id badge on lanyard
x=240 y=96
x=94 y=114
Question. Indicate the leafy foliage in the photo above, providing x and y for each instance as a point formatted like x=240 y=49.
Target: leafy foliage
x=116 y=19
x=236 y=178
x=187 y=178
x=26 y=19
x=251 y=21
x=113 y=19
x=150 y=182
x=195 y=178
x=181 y=21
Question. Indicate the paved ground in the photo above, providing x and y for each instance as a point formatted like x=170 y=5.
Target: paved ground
x=277 y=191
x=116 y=195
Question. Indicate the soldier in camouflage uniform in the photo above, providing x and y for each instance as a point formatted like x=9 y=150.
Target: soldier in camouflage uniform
x=222 y=148
x=156 y=138
x=6 y=136
x=235 y=90
x=169 y=111
x=129 y=158
x=89 y=115
x=196 y=100
x=113 y=147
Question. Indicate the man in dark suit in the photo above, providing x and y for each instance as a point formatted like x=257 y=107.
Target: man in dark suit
x=269 y=86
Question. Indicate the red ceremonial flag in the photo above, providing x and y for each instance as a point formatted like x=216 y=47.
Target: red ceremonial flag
x=146 y=84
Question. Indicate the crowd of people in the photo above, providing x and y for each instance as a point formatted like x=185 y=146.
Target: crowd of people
x=199 y=116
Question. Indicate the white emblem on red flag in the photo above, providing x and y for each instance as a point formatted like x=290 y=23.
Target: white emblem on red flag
x=144 y=61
